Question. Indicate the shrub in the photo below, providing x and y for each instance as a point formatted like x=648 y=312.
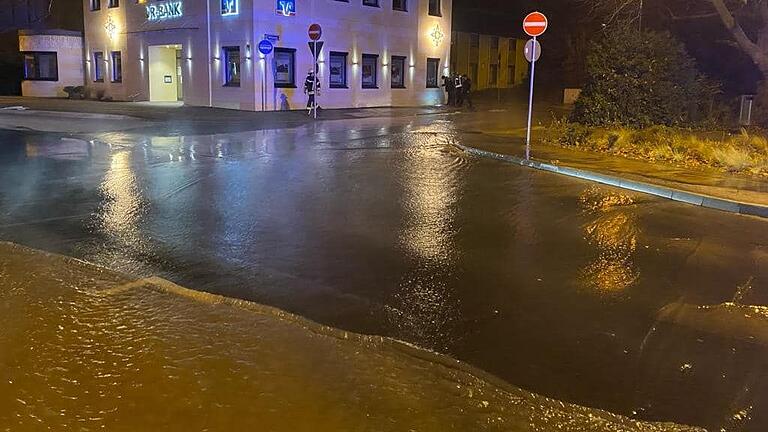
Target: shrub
x=640 y=79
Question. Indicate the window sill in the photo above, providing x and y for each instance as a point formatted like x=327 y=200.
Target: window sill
x=400 y=10
x=98 y=81
x=42 y=79
x=230 y=85
x=285 y=85
x=370 y=87
x=117 y=82
x=433 y=87
x=436 y=15
x=338 y=87
x=398 y=87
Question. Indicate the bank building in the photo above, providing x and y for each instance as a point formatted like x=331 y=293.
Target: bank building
x=375 y=52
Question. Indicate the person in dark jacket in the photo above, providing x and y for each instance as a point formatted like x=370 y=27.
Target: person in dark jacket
x=311 y=88
x=466 y=87
x=457 y=84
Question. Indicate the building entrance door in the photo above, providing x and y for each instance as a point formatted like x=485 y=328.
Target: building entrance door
x=165 y=83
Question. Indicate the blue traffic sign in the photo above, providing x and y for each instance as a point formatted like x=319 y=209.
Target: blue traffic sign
x=266 y=47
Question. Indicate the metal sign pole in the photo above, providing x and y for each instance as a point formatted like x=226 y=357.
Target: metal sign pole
x=530 y=103
x=314 y=84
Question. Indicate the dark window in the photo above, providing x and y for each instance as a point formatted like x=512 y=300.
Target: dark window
x=435 y=8
x=285 y=67
x=474 y=40
x=117 y=67
x=41 y=66
x=95 y=5
x=433 y=68
x=493 y=75
x=229 y=7
x=473 y=72
x=113 y=3
x=370 y=66
x=231 y=66
x=371 y=3
x=401 y=5
x=494 y=43
x=98 y=66
x=398 y=72
x=510 y=75
x=338 y=78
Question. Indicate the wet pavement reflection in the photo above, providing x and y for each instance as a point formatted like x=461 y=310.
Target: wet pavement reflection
x=382 y=227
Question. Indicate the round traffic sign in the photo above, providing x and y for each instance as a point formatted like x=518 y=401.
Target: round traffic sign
x=535 y=24
x=532 y=50
x=315 y=31
x=266 y=47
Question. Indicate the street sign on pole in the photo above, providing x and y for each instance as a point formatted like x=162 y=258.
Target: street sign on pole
x=266 y=47
x=532 y=47
x=315 y=32
x=315 y=46
x=535 y=24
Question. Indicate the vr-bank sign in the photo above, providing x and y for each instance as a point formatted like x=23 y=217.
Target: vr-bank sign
x=163 y=11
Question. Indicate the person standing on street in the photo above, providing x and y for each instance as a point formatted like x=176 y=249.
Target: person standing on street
x=311 y=88
x=448 y=88
x=458 y=90
x=466 y=85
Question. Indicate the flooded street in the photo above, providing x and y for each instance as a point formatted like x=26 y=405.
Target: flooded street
x=585 y=294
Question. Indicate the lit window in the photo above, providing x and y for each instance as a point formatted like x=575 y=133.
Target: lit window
x=285 y=67
x=433 y=66
x=229 y=7
x=98 y=66
x=400 y=5
x=41 y=66
x=435 y=9
x=370 y=66
x=114 y=3
x=398 y=72
x=371 y=3
x=95 y=5
x=231 y=66
x=338 y=78
x=117 y=67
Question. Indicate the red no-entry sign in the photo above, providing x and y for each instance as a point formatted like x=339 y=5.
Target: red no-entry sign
x=535 y=24
x=315 y=31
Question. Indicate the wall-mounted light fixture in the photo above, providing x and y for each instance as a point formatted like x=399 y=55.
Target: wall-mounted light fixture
x=110 y=27
x=437 y=35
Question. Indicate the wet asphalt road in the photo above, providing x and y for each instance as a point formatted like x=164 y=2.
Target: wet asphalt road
x=380 y=226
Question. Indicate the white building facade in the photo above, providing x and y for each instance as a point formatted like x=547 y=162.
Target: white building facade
x=206 y=52
x=53 y=60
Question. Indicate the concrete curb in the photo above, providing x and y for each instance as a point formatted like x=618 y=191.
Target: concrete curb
x=637 y=186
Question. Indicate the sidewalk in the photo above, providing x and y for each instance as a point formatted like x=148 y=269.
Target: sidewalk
x=707 y=188
x=191 y=118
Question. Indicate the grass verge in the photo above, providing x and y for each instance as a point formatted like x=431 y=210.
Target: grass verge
x=744 y=152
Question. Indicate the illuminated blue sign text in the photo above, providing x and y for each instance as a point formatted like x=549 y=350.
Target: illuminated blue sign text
x=162 y=11
x=286 y=7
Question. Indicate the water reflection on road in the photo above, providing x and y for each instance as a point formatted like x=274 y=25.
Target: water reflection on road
x=381 y=226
